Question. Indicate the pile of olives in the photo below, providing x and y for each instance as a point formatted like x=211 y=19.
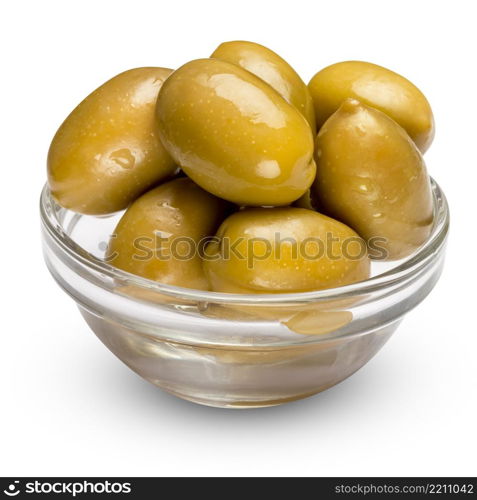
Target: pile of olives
x=238 y=177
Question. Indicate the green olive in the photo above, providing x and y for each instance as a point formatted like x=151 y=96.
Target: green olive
x=160 y=234
x=234 y=135
x=107 y=151
x=308 y=200
x=274 y=70
x=371 y=176
x=377 y=87
x=284 y=250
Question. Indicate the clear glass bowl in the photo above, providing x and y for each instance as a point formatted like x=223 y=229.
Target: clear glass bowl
x=235 y=351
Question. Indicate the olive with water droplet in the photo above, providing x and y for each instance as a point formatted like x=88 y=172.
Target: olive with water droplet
x=107 y=151
x=371 y=176
x=234 y=135
x=158 y=236
x=284 y=250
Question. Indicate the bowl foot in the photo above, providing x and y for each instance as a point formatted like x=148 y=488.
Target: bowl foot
x=230 y=404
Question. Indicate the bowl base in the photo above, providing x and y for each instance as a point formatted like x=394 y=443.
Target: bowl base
x=240 y=404
x=228 y=377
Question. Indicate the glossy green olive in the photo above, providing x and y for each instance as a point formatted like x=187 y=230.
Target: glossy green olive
x=234 y=135
x=107 y=151
x=284 y=250
x=378 y=87
x=159 y=235
x=371 y=176
x=308 y=200
x=274 y=70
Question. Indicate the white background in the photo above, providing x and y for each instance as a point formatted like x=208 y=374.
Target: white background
x=68 y=407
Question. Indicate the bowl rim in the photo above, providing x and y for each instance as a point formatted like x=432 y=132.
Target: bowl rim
x=403 y=271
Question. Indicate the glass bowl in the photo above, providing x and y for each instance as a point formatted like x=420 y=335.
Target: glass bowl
x=227 y=350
